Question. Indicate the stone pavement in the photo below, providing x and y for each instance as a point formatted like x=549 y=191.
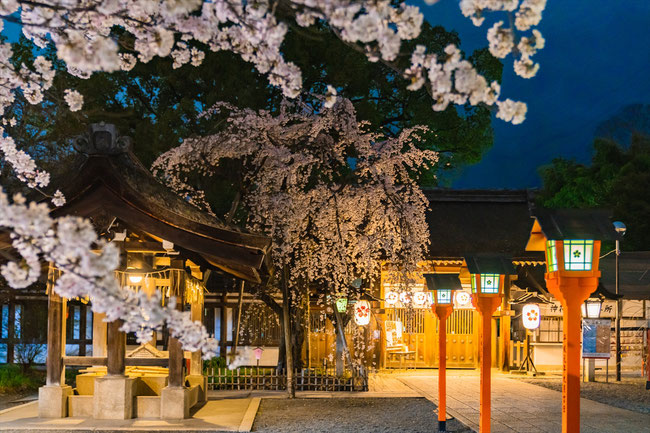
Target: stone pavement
x=224 y=415
x=520 y=407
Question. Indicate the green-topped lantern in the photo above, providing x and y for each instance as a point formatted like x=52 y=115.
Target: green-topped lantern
x=442 y=287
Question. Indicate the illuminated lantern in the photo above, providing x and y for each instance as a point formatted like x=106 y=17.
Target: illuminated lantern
x=530 y=316
x=463 y=299
x=571 y=240
x=591 y=308
x=342 y=305
x=405 y=298
x=420 y=298
x=362 y=313
x=391 y=298
x=258 y=353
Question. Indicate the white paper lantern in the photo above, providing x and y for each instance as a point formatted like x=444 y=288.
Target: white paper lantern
x=530 y=316
x=362 y=313
x=420 y=298
x=391 y=298
x=463 y=299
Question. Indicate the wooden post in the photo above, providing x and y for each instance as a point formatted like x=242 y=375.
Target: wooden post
x=11 y=331
x=196 y=363
x=443 y=312
x=99 y=335
x=571 y=292
x=175 y=349
x=116 y=348
x=55 y=321
x=486 y=306
x=223 y=337
x=291 y=390
x=505 y=326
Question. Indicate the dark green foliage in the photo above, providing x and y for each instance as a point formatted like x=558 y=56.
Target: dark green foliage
x=12 y=379
x=617 y=179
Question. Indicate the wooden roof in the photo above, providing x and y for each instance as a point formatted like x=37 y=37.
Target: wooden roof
x=463 y=222
x=110 y=182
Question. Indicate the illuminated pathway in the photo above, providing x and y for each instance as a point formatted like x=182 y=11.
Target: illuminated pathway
x=521 y=407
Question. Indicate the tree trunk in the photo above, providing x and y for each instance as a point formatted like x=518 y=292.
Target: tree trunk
x=291 y=390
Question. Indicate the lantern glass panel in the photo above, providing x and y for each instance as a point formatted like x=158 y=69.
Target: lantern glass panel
x=551 y=256
x=593 y=309
x=473 y=278
x=578 y=255
x=490 y=283
x=444 y=296
x=342 y=304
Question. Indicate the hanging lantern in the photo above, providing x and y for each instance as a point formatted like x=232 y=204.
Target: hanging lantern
x=463 y=299
x=420 y=299
x=342 y=305
x=405 y=297
x=391 y=298
x=531 y=316
x=362 y=313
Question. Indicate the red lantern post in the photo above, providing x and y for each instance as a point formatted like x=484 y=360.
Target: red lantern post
x=442 y=286
x=571 y=240
x=488 y=277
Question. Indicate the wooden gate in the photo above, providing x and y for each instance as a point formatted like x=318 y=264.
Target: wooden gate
x=462 y=339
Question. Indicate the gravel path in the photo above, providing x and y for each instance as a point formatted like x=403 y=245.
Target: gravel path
x=361 y=415
x=628 y=394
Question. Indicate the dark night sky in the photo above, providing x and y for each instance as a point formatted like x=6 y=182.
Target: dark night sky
x=596 y=61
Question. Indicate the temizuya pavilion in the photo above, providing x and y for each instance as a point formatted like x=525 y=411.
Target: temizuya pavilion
x=168 y=245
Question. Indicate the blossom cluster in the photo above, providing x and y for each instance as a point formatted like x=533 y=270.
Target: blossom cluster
x=503 y=41
x=327 y=227
x=82 y=32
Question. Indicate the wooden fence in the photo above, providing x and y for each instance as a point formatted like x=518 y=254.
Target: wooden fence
x=273 y=379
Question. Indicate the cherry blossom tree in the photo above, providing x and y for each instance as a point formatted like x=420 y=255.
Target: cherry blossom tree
x=106 y=35
x=335 y=199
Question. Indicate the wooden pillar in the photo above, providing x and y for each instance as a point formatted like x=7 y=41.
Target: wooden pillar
x=486 y=306
x=196 y=363
x=443 y=312
x=116 y=348
x=175 y=350
x=223 y=337
x=99 y=335
x=55 y=322
x=82 y=330
x=11 y=331
x=505 y=327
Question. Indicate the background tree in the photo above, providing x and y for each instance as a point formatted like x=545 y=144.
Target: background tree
x=616 y=179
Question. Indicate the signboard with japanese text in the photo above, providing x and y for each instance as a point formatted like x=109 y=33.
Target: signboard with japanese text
x=596 y=338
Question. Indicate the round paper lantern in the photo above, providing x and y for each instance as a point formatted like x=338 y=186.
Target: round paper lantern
x=463 y=299
x=420 y=298
x=405 y=297
x=391 y=298
x=362 y=313
x=531 y=316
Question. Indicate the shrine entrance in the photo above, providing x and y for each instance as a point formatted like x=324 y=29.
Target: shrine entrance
x=417 y=347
